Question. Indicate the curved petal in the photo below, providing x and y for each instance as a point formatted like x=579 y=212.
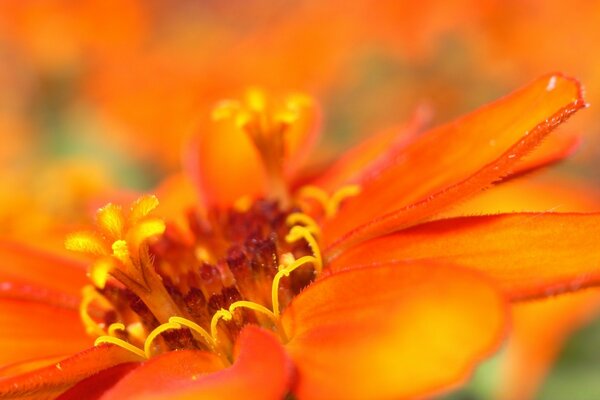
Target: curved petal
x=95 y=386
x=538 y=332
x=392 y=331
x=34 y=328
x=529 y=255
x=26 y=265
x=454 y=161
x=261 y=370
x=50 y=381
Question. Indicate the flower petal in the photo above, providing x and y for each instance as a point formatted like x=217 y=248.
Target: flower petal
x=25 y=265
x=392 y=331
x=529 y=254
x=50 y=381
x=538 y=332
x=261 y=369
x=454 y=161
x=95 y=386
x=34 y=327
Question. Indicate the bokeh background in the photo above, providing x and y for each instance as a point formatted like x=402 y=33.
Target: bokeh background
x=100 y=97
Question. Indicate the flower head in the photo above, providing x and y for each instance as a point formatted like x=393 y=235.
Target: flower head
x=349 y=285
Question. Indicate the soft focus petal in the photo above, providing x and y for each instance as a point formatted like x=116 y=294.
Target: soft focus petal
x=37 y=323
x=354 y=162
x=25 y=265
x=261 y=371
x=538 y=332
x=529 y=254
x=52 y=380
x=392 y=331
x=455 y=161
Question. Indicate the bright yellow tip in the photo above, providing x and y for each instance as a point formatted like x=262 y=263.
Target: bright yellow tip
x=256 y=100
x=220 y=314
x=142 y=207
x=120 y=250
x=117 y=326
x=111 y=220
x=144 y=230
x=304 y=220
x=100 y=270
x=85 y=242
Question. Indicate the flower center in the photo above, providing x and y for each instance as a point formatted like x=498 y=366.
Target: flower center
x=196 y=287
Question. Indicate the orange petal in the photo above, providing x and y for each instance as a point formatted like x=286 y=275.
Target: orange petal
x=454 y=161
x=529 y=254
x=25 y=265
x=260 y=371
x=52 y=380
x=392 y=331
x=538 y=332
x=32 y=328
x=95 y=386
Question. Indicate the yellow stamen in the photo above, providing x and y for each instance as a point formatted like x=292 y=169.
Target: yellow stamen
x=330 y=204
x=86 y=242
x=286 y=271
x=252 y=306
x=303 y=219
x=339 y=196
x=90 y=295
x=154 y=334
x=121 y=343
x=111 y=220
x=301 y=232
x=142 y=207
x=117 y=326
x=196 y=328
x=222 y=313
x=120 y=250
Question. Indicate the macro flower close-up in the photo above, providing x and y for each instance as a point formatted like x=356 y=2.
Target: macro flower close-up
x=180 y=224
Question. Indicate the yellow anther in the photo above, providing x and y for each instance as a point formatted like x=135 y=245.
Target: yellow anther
x=137 y=331
x=300 y=232
x=286 y=271
x=305 y=220
x=286 y=260
x=117 y=326
x=154 y=334
x=256 y=100
x=220 y=314
x=252 y=306
x=121 y=343
x=142 y=207
x=120 y=250
x=330 y=204
x=196 y=328
x=99 y=271
x=90 y=295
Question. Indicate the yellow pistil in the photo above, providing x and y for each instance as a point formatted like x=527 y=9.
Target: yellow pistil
x=301 y=232
x=330 y=204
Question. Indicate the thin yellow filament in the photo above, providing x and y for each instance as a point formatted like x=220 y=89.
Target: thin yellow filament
x=286 y=271
x=301 y=232
x=117 y=326
x=121 y=343
x=305 y=220
x=196 y=328
x=154 y=334
x=252 y=306
x=222 y=313
x=330 y=204
x=90 y=295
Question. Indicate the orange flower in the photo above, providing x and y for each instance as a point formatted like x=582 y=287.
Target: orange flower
x=346 y=285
